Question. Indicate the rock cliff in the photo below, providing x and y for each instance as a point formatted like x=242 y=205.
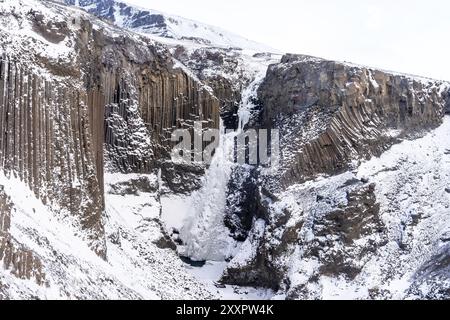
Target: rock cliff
x=49 y=143
x=324 y=216
x=81 y=94
x=23 y=263
x=91 y=205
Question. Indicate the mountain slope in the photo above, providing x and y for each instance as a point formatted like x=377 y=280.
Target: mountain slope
x=93 y=207
x=163 y=25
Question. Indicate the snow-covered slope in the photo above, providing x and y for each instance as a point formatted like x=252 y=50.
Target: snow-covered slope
x=166 y=26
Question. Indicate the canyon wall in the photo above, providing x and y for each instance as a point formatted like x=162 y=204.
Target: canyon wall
x=23 y=263
x=331 y=113
x=85 y=96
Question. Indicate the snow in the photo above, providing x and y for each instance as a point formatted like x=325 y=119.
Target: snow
x=204 y=234
x=411 y=181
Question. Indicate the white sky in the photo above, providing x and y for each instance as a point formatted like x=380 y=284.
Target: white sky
x=411 y=36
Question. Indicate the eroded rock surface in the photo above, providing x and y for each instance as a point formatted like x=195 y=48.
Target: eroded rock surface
x=22 y=263
x=323 y=226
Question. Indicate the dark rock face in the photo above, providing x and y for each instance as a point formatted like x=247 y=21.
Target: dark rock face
x=180 y=178
x=229 y=100
x=145 y=98
x=212 y=65
x=330 y=113
x=134 y=186
x=359 y=218
x=23 y=263
x=334 y=248
x=48 y=140
x=243 y=202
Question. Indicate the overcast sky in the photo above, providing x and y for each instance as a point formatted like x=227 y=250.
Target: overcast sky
x=411 y=36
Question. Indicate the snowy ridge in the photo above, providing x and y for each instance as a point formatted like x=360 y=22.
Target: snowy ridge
x=162 y=25
x=19 y=38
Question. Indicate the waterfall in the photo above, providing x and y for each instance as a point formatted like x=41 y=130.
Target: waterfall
x=204 y=234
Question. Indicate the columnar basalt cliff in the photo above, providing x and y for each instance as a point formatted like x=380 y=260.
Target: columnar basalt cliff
x=93 y=207
x=331 y=113
x=447 y=102
x=144 y=96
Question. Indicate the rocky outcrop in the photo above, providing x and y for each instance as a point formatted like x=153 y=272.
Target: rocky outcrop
x=105 y=89
x=447 y=103
x=332 y=113
x=22 y=263
x=336 y=229
x=336 y=236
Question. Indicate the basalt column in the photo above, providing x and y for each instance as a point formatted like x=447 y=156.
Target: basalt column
x=51 y=141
